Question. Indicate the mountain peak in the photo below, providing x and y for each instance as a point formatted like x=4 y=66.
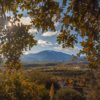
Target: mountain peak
x=47 y=56
x=52 y=51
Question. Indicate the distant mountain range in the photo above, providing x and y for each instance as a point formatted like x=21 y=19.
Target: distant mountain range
x=46 y=56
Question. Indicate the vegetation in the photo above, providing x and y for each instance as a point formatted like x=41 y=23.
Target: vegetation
x=14 y=44
x=68 y=94
x=80 y=16
x=16 y=86
x=31 y=84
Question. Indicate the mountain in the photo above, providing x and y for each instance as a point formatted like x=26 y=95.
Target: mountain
x=46 y=56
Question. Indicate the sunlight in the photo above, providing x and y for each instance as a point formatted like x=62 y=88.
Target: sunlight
x=9 y=24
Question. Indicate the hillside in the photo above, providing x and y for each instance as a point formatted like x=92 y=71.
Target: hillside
x=46 y=57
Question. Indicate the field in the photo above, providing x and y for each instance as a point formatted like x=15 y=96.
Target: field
x=68 y=80
x=61 y=69
x=61 y=73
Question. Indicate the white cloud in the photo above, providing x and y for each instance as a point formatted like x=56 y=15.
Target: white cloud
x=44 y=43
x=49 y=34
x=26 y=52
x=69 y=50
x=32 y=30
x=25 y=20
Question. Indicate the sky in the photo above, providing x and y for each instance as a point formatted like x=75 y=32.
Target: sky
x=47 y=40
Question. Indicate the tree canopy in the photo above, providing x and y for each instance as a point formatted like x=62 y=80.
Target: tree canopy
x=80 y=16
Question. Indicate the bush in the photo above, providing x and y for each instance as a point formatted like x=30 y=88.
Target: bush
x=43 y=93
x=15 y=86
x=68 y=94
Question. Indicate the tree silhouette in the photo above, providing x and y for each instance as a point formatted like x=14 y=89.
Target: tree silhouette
x=16 y=40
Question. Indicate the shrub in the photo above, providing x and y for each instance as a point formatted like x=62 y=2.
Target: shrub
x=68 y=94
x=43 y=92
x=15 y=86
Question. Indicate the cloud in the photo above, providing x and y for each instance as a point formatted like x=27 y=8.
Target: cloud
x=44 y=43
x=32 y=30
x=26 y=52
x=25 y=20
x=49 y=34
x=69 y=50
